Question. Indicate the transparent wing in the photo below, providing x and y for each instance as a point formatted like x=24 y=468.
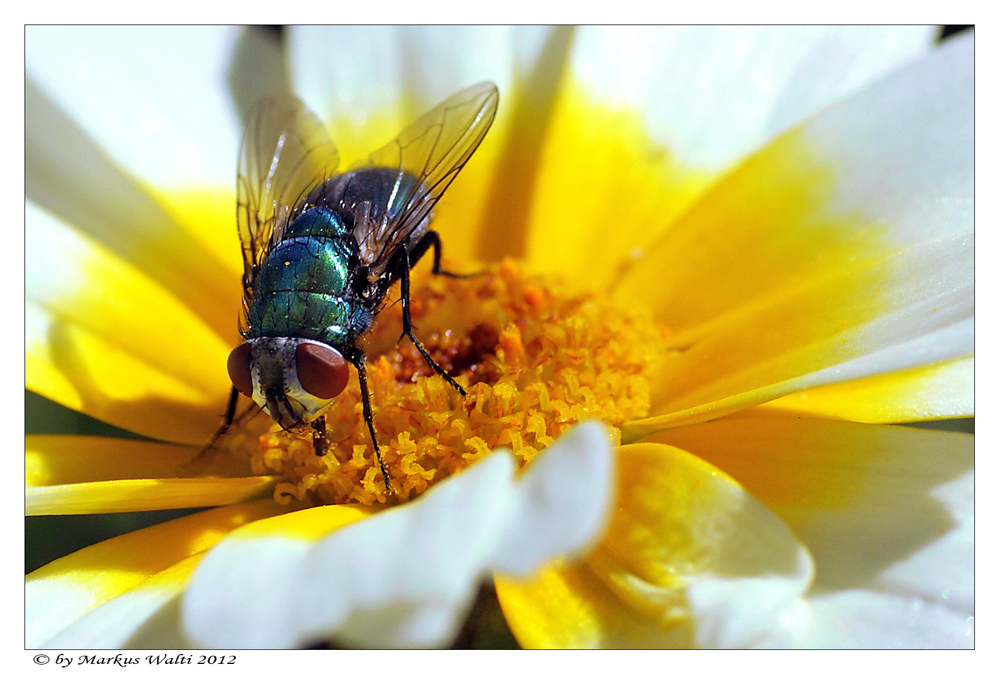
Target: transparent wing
x=285 y=153
x=432 y=150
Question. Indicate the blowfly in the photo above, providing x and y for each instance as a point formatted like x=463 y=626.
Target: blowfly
x=321 y=249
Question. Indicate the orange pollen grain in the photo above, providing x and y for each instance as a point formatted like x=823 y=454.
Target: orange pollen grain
x=533 y=359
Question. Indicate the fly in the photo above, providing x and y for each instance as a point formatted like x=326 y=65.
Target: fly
x=321 y=249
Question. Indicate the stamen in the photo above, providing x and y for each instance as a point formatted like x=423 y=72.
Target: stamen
x=533 y=358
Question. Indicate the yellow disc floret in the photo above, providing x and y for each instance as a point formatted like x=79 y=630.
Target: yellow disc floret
x=534 y=361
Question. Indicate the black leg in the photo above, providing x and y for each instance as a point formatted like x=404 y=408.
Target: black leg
x=321 y=439
x=432 y=238
x=193 y=465
x=234 y=397
x=357 y=358
x=404 y=292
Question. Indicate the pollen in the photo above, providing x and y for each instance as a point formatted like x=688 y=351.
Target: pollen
x=533 y=359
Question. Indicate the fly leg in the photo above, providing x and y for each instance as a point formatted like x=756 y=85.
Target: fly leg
x=357 y=358
x=193 y=465
x=432 y=238
x=234 y=397
x=321 y=437
x=404 y=292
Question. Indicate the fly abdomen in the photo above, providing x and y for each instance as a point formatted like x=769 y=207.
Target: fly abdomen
x=317 y=221
x=302 y=287
x=316 y=316
x=316 y=264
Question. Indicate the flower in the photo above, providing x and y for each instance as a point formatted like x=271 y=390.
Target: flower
x=792 y=206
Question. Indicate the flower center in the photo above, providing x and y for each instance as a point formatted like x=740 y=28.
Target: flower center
x=534 y=360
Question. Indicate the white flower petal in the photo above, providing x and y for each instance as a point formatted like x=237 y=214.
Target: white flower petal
x=400 y=70
x=909 y=533
x=946 y=343
x=144 y=617
x=861 y=228
x=713 y=94
x=68 y=589
x=557 y=518
x=259 y=67
x=953 y=551
x=364 y=583
x=404 y=577
x=418 y=560
x=906 y=147
x=753 y=596
x=690 y=559
x=80 y=282
x=741 y=612
x=926 y=317
x=886 y=513
x=864 y=619
x=883 y=179
x=71 y=178
x=944 y=390
x=153 y=97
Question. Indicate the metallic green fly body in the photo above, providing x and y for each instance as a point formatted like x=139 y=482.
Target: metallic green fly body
x=321 y=249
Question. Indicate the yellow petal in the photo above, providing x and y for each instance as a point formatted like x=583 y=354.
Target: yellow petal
x=71 y=176
x=793 y=465
x=935 y=392
x=66 y=589
x=887 y=513
x=105 y=339
x=122 y=496
x=843 y=189
x=209 y=216
x=570 y=607
x=507 y=210
x=55 y=460
x=693 y=557
x=604 y=190
x=95 y=375
x=144 y=617
x=483 y=215
x=304 y=525
x=814 y=334
x=847 y=238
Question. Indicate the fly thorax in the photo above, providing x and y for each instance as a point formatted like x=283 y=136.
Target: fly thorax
x=276 y=384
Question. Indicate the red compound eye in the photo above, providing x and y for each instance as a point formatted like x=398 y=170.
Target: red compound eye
x=239 y=369
x=322 y=370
